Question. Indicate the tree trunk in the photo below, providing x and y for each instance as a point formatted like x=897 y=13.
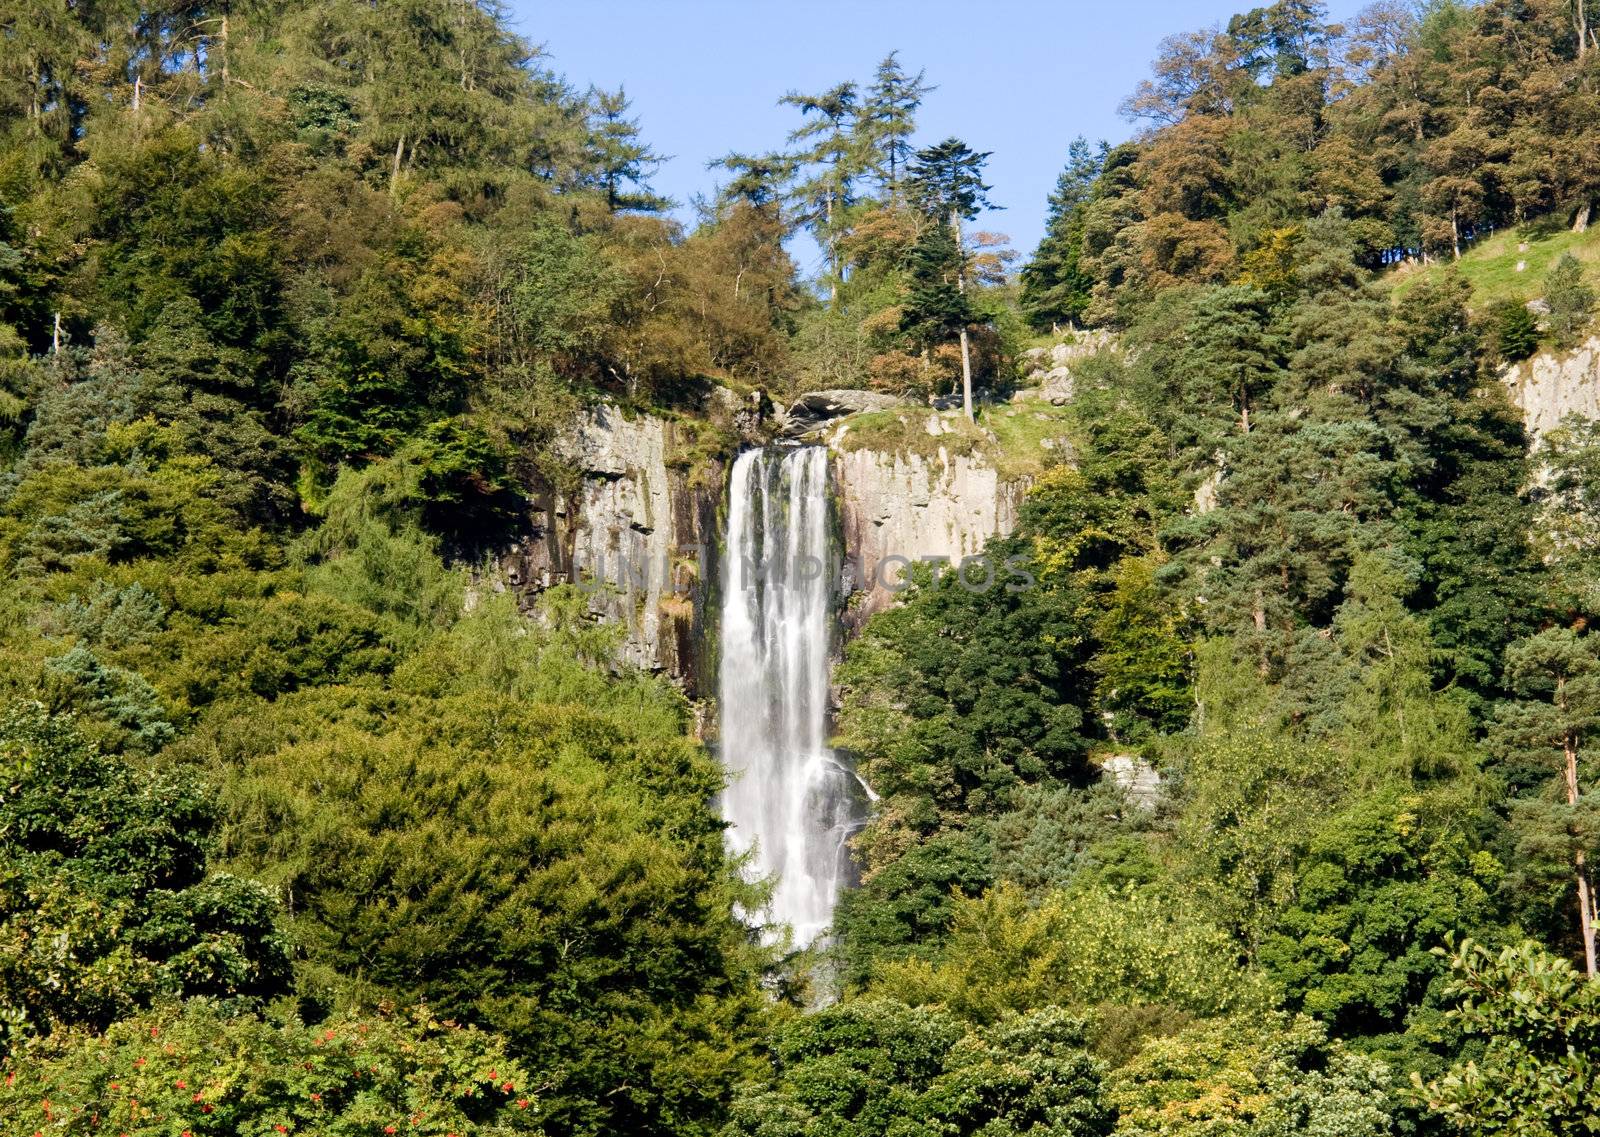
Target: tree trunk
x=966 y=376
x=394 y=170
x=833 y=258
x=1585 y=892
x=1455 y=235
x=966 y=350
x=1580 y=21
x=1580 y=223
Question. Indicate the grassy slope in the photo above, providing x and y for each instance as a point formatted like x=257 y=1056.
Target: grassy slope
x=1490 y=266
x=1010 y=436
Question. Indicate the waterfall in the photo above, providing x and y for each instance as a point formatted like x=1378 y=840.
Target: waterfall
x=788 y=798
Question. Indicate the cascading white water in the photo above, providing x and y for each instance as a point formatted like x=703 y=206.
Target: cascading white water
x=787 y=798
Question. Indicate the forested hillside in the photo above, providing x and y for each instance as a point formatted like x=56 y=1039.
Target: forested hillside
x=306 y=826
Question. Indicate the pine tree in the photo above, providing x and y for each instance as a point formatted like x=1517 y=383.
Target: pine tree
x=832 y=157
x=1516 y=331
x=946 y=185
x=889 y=119
x=757 y=179
x=1571 y=300
x=1055 y=286
x=619 y=158
x=936 y=308
x=1555 y=676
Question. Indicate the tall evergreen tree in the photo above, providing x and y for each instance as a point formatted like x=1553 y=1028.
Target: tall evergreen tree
x=832 y=161
x=1555 y=676
x=757 y=179
x=1055 y=285
x=936 y=308
x=619 y=158
x=946 y=184
x=888 y=119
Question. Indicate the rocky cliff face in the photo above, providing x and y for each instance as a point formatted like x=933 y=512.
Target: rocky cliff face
x=895 y=505
x=638 y=534
x=1550 y=386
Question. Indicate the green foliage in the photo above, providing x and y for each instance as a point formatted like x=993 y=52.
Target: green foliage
x=1252 y=1077
x=209 y=1072
x=1516 y=331
x=905 y=908
x=144 y=502
x=1078 y=948
x=620 y=159
x=522 y=843
x=174 y=220
x=1381 y=885
x=1054 y=836
x=1055 y=285
x=1540 y=1023
x=959 y=695
x=1569 y=511
x=371 y=550
x=1251 y=803
x=1543 y=735
x=105 y=902
x=876 y=1067
x=77 y=680
x=946 y=181
x=117 y=616
x=1571 y=300
x=936 y=306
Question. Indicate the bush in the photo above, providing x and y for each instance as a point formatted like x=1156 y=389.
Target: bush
x=879 y=1067
x=1263 y=1076
x=1516 y=331
x=199 y=1070
x=1539 y=1071
x=522 y=842
x=1078 y=949
x=105 y=903
x=1571 y=300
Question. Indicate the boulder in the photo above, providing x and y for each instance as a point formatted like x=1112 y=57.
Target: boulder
x=1056 y=386
x=1134 y=777
x=815 y=408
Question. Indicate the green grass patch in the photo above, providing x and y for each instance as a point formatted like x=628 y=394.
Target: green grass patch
x=1021 y=431
x=1009 y=437
x=1490 y=266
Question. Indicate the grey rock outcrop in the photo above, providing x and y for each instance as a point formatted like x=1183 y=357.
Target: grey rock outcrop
x=817 y=408
x=640 y=529
x=907 y=506
x=1134 y=777
x=638 y=534
x=1551 y=385
x=1047 y=372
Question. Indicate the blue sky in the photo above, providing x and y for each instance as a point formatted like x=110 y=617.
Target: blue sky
x=1019 y=78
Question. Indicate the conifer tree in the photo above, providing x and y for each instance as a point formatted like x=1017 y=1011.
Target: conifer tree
x=936 y=308
x=619 y=157
x=1555 y=676
x=1571 y=300
x=757 y=179
x=946 y=185
x=831 y=156
x=888 y=120
x=1055 y=285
